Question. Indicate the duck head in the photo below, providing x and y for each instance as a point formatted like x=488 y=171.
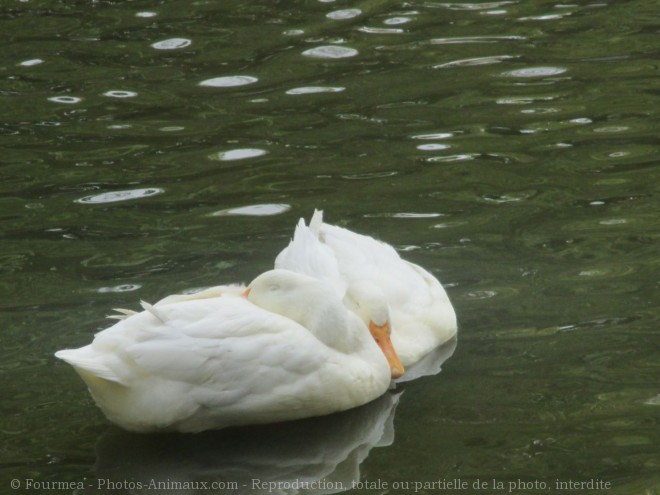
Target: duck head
x=367 y=301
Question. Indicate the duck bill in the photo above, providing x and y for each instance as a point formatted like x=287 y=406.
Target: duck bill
x=381 y=334
x=246 y=292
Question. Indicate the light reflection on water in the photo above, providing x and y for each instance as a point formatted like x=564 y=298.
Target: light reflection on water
x=115 y=196
x=253 y=210
x=330 y=52
x=508 y=147
x=172 y=44
x=306 y=90
x=228 y=81
x=238 y=154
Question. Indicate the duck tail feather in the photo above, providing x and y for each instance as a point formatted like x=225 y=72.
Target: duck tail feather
x=316 y=222
x=87 y=364
x=122 y=314
x=153 y=310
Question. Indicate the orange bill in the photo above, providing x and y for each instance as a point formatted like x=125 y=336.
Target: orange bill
x=381 y=334
x=246 y=292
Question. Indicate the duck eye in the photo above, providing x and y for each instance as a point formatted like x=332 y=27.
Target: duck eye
x=274 y=287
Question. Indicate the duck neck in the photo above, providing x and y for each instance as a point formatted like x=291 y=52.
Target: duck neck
x=334 y=326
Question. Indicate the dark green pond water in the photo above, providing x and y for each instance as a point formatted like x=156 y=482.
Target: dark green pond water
x=510 y=147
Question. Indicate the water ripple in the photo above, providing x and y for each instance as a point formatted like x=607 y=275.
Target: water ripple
x=457 y=40
x=535 y=72
x=370 y=175
x=31 y=62
x=119 y=288
x=116 y=196
x=376 y=30
x=306 y=90
x=432 y=147
x=172 y=44
x=467 y=62
x=396 y=21
x=545 y=17
x=293 y=32
x=67 y=100
x=343 y=14
x=454 y=158
x=330 y=52
x=120 y=94
x=522 y=100
x=436 y=135
x=416 y=215
x=228 y=81
x=259 y=210
x=470 y=6
x=238 y=154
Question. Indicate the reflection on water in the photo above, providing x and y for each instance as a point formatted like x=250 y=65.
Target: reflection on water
x=343 y=14
x=314 y=456
x=314 y=89
x=120 y=94
x=466 y=62
x=228 y=81
x=317 y=455
x=238 y=154
x=535 y=72
x=430 y=364
x=254 y=210
x=114 y=196
x=171 y=44
x=67 y=100
x=331 y=51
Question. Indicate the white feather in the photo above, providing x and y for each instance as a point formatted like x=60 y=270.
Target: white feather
x=422 y=316
x=195 y=363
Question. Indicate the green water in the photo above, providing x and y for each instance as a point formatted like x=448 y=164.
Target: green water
x=509 y=147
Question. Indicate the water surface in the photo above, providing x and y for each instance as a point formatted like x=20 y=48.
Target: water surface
x=509 y=147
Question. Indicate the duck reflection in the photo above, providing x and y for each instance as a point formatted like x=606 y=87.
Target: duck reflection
x=430 y=364
x=312 y=456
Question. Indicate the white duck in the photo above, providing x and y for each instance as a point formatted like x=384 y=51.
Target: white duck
x=287 y=349
x=422 y=316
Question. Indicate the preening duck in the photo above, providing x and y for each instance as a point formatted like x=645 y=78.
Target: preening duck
x=422 y=316
x=286 y=347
